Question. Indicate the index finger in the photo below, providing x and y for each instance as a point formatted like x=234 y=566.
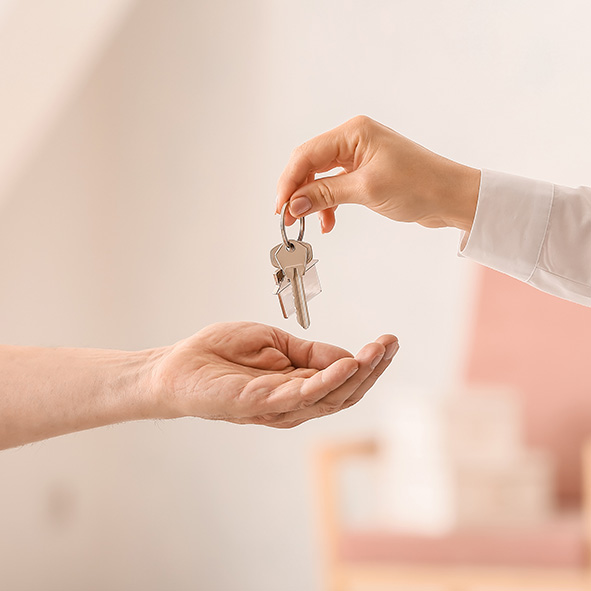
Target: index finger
x=320 y=154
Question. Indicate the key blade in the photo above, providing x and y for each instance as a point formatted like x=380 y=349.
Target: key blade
x=299 y=299
x=293 y=263
x=284 y=291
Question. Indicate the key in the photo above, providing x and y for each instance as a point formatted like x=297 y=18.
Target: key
x=284 y=292
x=311 y=284
x=292 y=262
x=296 y=275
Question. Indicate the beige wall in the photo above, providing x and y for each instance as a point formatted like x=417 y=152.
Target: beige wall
x=146 y=215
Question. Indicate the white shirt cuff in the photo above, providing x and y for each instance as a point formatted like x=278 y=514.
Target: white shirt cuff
x=510 y=224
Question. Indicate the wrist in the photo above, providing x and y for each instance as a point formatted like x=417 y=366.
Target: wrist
x=459 y=197
x=127 y=386
x=170 y=378
x=150 y=391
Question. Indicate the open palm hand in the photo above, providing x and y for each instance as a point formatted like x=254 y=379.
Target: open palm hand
x=245 y=372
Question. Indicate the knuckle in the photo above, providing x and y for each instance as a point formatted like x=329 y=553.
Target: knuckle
x=361 y=122
x=329 y=408
x=266 y=419
x=286 y=424
x=299 y=152
x=305 y=403
x=325 y=194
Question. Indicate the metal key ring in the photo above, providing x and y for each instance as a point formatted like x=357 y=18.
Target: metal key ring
x=286 y=241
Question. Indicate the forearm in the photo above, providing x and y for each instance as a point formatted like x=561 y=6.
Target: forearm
x=46 y=392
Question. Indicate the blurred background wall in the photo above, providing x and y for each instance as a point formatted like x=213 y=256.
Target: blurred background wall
x=140 y=209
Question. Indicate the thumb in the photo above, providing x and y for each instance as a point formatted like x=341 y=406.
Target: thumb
x=325 y=193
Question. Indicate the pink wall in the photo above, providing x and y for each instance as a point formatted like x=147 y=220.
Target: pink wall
x=541 y=345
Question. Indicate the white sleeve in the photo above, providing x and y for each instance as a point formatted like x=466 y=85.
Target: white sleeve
x=535 y=231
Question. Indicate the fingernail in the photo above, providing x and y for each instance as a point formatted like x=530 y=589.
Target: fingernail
x=299 y=206
x=353 y=372
x=276 y=203
x=375 y=361
x=391 y=350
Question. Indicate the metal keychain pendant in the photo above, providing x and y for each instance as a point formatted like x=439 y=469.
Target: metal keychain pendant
x=296 y=275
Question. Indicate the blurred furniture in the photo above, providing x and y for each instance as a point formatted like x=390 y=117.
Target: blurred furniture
x=554 y=556
x=541 y=346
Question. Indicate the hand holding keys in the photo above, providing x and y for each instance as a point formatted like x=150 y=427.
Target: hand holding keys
x=296 y=275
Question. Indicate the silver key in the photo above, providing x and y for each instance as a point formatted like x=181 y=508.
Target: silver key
x=284 y=291
x=295 y=288
x=293 y=263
